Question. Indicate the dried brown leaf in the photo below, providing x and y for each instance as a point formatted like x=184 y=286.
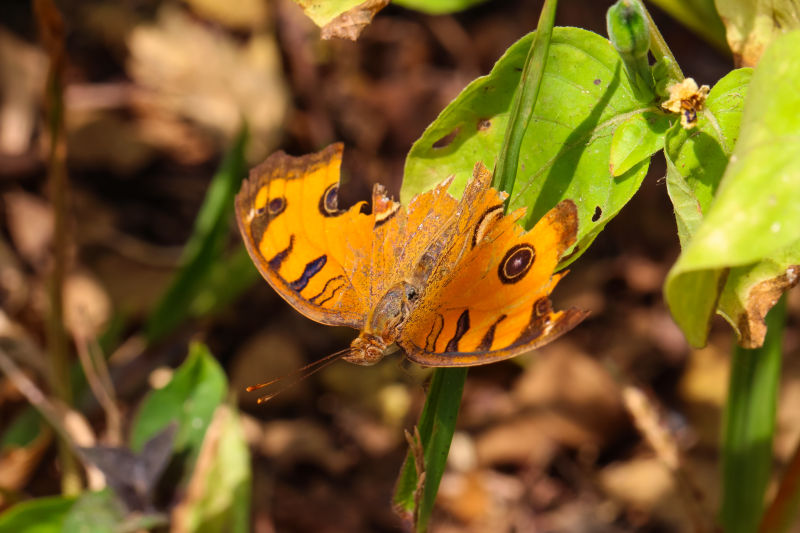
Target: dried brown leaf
x=351 y=23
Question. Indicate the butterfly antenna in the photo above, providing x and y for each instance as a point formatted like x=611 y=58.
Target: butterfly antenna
x=297 y=375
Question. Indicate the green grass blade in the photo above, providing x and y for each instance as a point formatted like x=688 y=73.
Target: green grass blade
x=204 y=247
x=437 y=421
x=750 y=427
x=524 y=101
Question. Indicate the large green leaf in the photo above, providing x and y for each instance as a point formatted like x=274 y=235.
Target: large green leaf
x=754 y=216
x=43 y=515
x=696 y=158
x=218 y=495
x=197 y=388
x=584 y=96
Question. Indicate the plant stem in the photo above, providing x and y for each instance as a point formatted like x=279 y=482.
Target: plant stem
x=525 y=101
x=749 y=427
x=51 y=29
x=659 y=47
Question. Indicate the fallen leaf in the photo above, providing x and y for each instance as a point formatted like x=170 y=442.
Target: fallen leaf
x=211 y=77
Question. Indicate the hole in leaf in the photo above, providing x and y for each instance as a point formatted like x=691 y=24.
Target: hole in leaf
x=447 y=139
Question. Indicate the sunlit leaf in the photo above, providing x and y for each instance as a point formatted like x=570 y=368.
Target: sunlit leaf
x=696 y=158
x=637 y=139
x=584 y=97
x=754 y=216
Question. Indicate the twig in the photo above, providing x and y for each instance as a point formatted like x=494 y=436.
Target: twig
x=647 y=419
x=99 y=379
x=51 y=29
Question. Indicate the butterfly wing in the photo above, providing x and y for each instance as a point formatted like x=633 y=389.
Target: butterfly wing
x=314 y=255
x=487 y=294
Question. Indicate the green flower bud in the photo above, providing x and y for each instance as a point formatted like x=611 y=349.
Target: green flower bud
x=628 y=28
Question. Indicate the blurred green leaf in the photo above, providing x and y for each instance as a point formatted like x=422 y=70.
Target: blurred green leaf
x=750 y=427
x=754 y=216
x=205 y=246
x=42 y=515
x=753 y=24
x=584 y=97
x=437 y=7
x=697 y=158
x=700 y=16
x=637 y=139
x=196 y=389
x=218 y=495
x=228 y=278
x=22 y=431
x=95 y=512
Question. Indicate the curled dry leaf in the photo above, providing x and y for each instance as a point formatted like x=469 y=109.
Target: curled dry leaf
x=762 y=297
x=352 y=22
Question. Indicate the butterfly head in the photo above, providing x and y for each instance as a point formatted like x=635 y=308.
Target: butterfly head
x=383 y=325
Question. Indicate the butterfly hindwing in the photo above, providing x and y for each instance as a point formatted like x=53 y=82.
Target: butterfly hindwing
x=487 y=296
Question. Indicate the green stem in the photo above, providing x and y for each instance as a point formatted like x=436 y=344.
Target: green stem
x=51 y=29
x=659 y=47
x=525 y=101
x=750 y=426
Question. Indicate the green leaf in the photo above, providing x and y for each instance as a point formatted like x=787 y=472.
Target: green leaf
x=701 y=154
x=436 y=427
x=584 y=96
x=324 y=12
x=95 y=512
x=637 y=139
x=205 y=246
x=753 y=24
x=227 y=279
x=196 y=389
x=42 y=515
x=754 y=215
x=22 y=431
x=700 y=16
x=218 y=496
x=437 y=7
x=750 y=428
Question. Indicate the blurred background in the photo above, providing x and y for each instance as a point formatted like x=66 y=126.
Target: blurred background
x=154 y=95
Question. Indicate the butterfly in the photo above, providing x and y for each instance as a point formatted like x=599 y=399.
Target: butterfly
x=450 y=282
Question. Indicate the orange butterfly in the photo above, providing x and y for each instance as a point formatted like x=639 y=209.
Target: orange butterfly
x=452 y=283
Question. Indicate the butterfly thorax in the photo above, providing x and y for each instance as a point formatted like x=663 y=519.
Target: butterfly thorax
x=383 y=325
